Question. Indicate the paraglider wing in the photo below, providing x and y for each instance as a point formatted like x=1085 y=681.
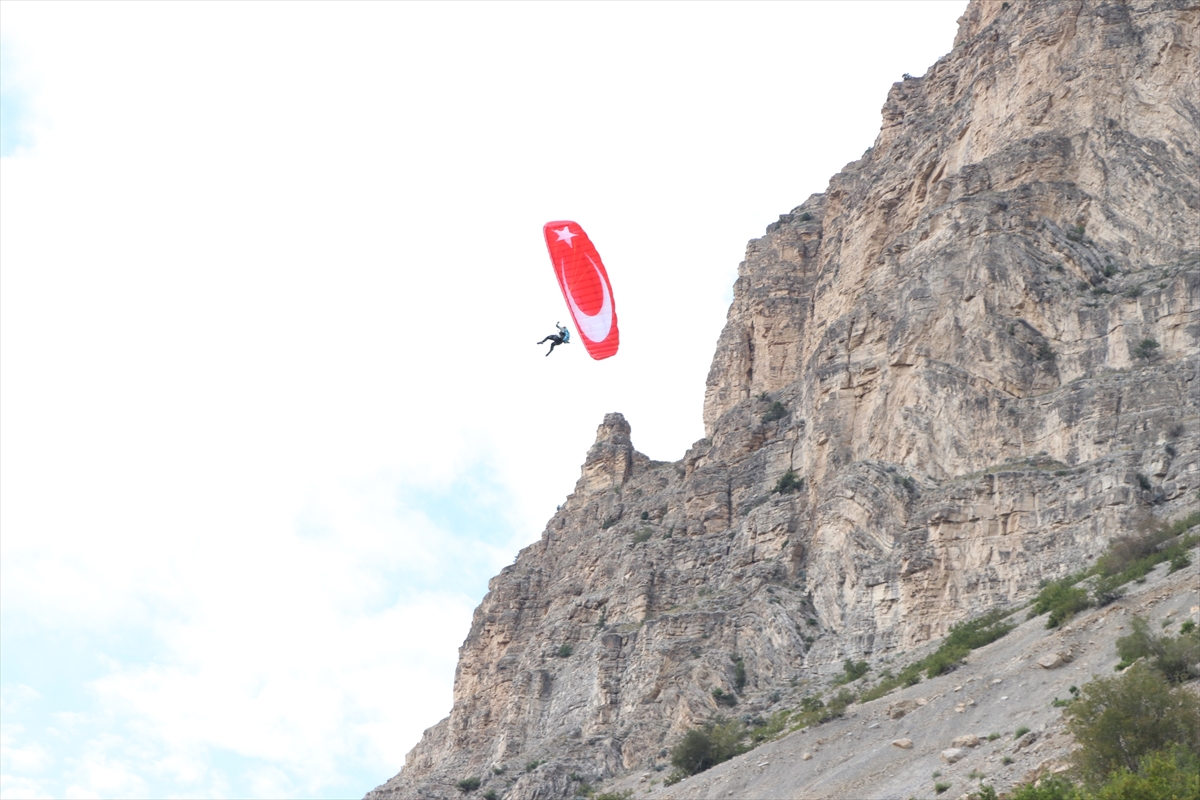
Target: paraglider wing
x=585 y=287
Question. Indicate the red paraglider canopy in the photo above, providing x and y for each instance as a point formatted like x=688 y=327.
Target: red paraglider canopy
x=585 y=287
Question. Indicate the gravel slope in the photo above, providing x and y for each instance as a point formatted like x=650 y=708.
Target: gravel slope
x=1000 y=690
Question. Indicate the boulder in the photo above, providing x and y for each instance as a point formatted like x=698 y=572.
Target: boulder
x=1026 y=740
x=903 y=744
x=1054 y=660
x=953 y=754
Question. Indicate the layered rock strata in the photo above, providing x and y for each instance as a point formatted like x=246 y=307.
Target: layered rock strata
x=961 y=370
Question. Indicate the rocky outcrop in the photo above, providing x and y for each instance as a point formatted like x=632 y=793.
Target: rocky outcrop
x=961 y=370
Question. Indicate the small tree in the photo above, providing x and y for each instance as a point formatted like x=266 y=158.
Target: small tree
x=1062 y=600
x=776 y=411
x=810 y=703
x=1118 y=721
x=707 y=746
x=1164 y=775
x=468 y=785
x=1173 y=656
x=853 y=670
x=1147 y=348
x=789 y=482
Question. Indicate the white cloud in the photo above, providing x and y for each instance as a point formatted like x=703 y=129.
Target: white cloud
x=271 y=409
x=19 y=758
x=17 y=788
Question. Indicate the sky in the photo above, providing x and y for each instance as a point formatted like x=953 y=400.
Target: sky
x=271 y=274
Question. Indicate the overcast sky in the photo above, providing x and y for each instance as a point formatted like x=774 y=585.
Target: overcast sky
x=271 y=274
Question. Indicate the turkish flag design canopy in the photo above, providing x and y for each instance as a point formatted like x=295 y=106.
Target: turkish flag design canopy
x=585 y=287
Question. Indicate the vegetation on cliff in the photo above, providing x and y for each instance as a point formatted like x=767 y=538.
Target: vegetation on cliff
x=722 y=739
x=1128 y=558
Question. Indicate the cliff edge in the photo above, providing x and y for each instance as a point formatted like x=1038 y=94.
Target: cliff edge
x=961 y=370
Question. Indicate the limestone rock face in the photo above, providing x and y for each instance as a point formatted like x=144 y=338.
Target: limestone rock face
x=963 y=369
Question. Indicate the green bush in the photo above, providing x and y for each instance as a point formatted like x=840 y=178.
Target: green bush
x=810 y=703
x=853 y=670
x=490 y=794
x=707 y=746
x=965 y=637
x=1021 y=731
x=625 y=795
x=564 y=650
x=642 y=536
x=836 y=706
x=1168 y=774
x=1119 y=721
x=961 y=640
x=877 y=691
x=1052 y=788
x=777 y=411
x=1147 y=348
x=1107 y=590
x=1125 y=551
x=938 y=788
x=1130 y=558
x=1180 y=560
x=724 y=698
x=468 y=785
x=789 y=482
x=1062 y=599
x=1173 y=657
x=943 y=660
x=1161 y=775
x=770 y=728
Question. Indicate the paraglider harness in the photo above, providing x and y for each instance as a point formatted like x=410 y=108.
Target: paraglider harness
x=563 y=337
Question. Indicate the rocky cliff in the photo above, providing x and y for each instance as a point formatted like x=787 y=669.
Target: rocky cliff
x=961 y=370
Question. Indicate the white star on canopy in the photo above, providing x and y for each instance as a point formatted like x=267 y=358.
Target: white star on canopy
x=565 y=235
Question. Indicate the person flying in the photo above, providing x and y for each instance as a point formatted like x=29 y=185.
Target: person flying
x=562 y=337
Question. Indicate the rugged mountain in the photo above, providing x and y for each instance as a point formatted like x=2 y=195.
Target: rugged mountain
x=963 y=369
